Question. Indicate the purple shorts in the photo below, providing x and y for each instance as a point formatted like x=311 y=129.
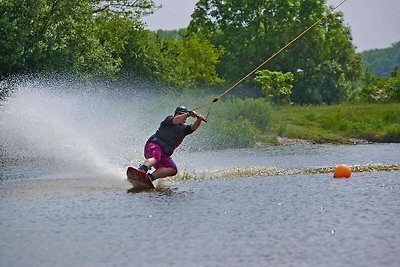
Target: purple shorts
x=153 y=150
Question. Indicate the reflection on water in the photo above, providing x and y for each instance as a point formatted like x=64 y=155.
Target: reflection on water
x=161 y=191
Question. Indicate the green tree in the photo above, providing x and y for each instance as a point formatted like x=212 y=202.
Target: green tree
x=173 y=34
x=183 y=62
x=197 y=60
x=187 y=62
x=251 y=31
x=378 y=88
x=125 y=38
x=382 y=61
x=371 y=90
x=276 y=86
x=132 y=9
x=329 y=62
x=392 y=86
x=100 y=39
x=49 y=35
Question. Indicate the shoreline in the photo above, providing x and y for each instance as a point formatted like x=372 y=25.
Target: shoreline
x=286 y=141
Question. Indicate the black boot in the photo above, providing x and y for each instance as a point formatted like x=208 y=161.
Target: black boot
x=152 y=177
x=143 y=168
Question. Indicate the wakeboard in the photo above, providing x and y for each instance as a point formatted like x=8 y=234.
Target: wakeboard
x=139 y=179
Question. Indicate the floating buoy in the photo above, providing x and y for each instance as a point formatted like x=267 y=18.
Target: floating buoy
x=342 y=171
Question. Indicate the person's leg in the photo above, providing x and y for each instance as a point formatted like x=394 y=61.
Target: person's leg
x=163 y=172
x=152 y=153
x=165 y=167
x=150 y=162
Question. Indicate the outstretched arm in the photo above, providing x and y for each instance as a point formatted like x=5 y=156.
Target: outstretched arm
x=198 y=121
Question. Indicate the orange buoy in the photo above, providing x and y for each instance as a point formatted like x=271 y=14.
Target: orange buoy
x=342 y=171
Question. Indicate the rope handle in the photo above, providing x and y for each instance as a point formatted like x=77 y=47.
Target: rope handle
x=198 y=116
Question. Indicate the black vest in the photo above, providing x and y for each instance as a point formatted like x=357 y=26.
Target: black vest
x=169 y=136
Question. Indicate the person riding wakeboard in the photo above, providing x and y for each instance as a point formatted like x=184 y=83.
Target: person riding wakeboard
x=161 y=145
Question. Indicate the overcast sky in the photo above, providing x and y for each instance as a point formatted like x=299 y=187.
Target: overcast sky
x=374 y=23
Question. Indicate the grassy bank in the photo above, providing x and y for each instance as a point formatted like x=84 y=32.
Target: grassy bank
x=337 y=123
x=239 y=123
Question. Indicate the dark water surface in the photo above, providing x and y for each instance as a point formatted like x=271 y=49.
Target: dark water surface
x=54 y=218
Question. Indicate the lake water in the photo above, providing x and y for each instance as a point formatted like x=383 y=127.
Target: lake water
x=64 y=200
x=282 y=220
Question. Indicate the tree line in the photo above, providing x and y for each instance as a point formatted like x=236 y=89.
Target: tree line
x=225 y=40
x=382 y=61
x=99 y=39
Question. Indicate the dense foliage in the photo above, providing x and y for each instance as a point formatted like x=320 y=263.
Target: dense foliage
x=378 y=88
x=236 y=123
x=103 y=39
x=250 y=31
x=224 y=41
x=51 y=35
x=276 y=86
x=382 y=61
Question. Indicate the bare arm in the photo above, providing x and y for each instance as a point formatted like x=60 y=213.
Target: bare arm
x=180 y=118
x=198 y=121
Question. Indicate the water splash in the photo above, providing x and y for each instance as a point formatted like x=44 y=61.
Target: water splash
x=85 y=128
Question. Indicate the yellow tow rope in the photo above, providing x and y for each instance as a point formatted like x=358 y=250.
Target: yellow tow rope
x=267 y=60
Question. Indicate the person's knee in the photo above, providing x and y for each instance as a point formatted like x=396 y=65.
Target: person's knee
x=174 y=172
